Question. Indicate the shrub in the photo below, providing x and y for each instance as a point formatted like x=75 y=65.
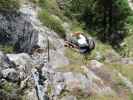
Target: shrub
x=51 y=6
x=76 y=26
x=10 y=91
x=9 y=5
x=52 y=23
x=42 y=3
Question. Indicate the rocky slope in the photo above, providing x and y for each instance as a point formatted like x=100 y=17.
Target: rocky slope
x=32 y=76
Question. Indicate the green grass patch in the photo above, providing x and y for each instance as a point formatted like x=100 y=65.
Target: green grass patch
x=7 y=48
x=130 y=97
x=49 y=89
x=126 y=70
x=52 y=22
x=51 y=6
x=115 y=82
x=74 y=56
x=100 y=51
x=8 y=87
x=76 y=26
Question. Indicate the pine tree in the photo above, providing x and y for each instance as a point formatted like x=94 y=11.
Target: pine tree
x=105 y=17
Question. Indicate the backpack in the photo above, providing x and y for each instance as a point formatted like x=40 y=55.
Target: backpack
x=90 y=42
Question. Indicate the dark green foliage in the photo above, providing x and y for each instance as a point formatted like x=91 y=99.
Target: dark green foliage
x=105 y=17
x=42 y=3
x=9 y=5
x=50 y=6
x=113 y=19
x=75 y=8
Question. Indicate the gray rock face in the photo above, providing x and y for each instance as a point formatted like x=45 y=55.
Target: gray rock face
x=7 y=69
x=20 y=59
x=0 y=74
x=24 y=34
x=58 y=88
x=23 y=63
x=10 y=74
x=15 y=67
x=4 y=61
x=74 y=83
x=57 y=59
x=31 y=95
x=77 y=82
x=17 y=30
x=44 y=34
x=58 y=84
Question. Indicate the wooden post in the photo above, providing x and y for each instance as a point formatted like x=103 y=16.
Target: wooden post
x=48 y=49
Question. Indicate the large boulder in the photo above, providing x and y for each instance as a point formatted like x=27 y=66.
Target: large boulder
x=20 y=59
x=7 y=70
x=23 y=63
x=14 y=67
x=4 y=61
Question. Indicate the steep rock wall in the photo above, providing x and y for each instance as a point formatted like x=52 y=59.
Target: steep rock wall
x=16 y=29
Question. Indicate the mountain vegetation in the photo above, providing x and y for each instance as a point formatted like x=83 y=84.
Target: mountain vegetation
x=34 y=62
x=9 y=5
x=107 y=19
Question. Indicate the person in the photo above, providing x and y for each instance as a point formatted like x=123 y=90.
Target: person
x=81 y=42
